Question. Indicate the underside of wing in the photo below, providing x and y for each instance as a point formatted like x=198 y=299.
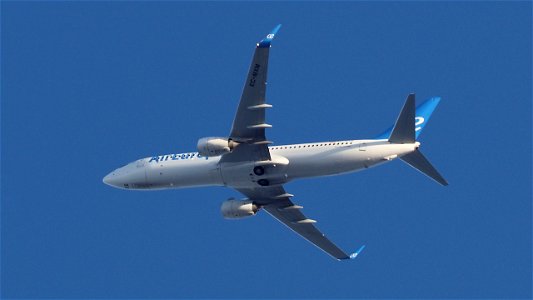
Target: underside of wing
x=248 y=129
x=249 y=122
x=276 y=201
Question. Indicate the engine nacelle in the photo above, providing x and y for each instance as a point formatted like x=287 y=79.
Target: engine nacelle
x=214 y=146
x=236 y=209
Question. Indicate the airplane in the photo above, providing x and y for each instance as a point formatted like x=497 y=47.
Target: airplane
x=246 y=162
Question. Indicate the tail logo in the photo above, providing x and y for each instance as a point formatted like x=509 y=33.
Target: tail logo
x=419 y=121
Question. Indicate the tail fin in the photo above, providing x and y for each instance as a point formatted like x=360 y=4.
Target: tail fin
x=417 y=160
x=422 y=114
x=404 y=132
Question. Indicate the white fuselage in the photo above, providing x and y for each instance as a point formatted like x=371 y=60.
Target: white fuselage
x=288 y=162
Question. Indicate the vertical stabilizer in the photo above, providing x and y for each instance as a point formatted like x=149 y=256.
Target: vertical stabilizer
x=404 y=132
x=404 y=129
x=422 y=114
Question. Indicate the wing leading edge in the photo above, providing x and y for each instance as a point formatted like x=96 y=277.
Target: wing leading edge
x=276 y=201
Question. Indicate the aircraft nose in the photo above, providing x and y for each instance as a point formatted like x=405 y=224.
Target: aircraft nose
x=106 y=179
x=131 y=176
x=111 y=179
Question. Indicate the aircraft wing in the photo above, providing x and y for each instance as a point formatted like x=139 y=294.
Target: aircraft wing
x=277 y=203
x=249 y=125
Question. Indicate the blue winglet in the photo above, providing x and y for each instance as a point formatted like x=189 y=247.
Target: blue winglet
x=266 y=41
x=354 y=255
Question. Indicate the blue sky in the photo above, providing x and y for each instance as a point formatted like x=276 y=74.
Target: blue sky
x=87 y=87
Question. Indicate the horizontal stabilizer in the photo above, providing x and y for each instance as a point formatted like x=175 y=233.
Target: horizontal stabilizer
x=417 y=160
x=404 y=129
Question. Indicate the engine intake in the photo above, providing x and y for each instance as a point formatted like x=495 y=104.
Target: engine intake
x=214 y=146
x=236 y=209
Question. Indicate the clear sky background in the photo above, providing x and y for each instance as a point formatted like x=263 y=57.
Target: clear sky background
x=87 y=87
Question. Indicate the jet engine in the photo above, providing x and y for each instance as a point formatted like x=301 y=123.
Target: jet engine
x=215 y=146
x=236 y=209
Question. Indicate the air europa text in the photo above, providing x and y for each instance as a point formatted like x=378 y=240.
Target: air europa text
x=180 y=156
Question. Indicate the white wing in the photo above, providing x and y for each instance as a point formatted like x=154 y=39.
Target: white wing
x=278 y=204
x=248 y=131
x=249 y=123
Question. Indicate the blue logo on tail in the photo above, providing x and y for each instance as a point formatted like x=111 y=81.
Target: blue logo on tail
x=423 y=112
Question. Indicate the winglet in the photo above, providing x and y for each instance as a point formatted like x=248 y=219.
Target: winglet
x=354 y=255
x=264 y=43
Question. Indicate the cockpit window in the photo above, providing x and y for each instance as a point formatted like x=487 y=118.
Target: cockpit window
x=141 y=163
